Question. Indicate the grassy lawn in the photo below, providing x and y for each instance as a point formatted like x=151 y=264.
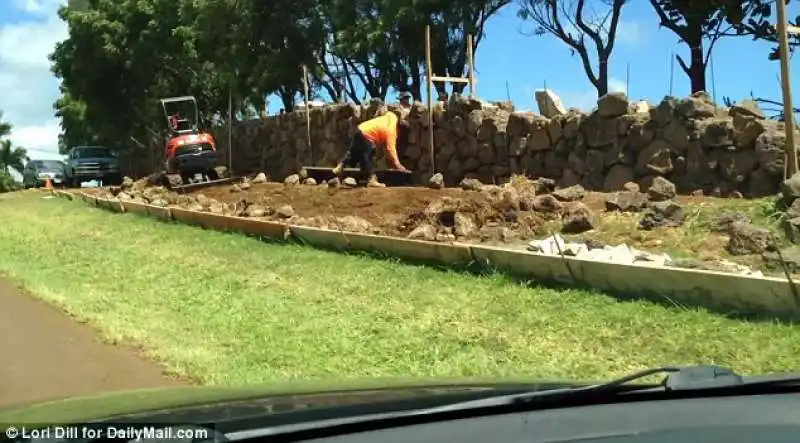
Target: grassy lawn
x=226 y=309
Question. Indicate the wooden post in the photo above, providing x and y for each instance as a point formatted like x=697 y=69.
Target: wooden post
x=671 y=72
x=308 y=113
x=788 y=112
x=628 y=80
x=230 y=127
x=429 y=81
x=471 y=61
x=470 y=80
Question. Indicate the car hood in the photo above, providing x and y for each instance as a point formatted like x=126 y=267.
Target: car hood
x=219 y=401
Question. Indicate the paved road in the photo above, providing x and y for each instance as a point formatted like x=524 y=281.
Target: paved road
x=46 y=355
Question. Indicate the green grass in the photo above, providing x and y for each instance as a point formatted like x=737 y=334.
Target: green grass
x=695 y=238
x=225 y=309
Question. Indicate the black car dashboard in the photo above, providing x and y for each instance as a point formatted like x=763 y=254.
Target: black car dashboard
x=739 y=419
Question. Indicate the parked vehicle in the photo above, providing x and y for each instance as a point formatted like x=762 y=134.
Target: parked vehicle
x=37 y=171
x=87 y=163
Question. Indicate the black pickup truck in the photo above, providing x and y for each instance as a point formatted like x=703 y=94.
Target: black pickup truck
x=87 y=163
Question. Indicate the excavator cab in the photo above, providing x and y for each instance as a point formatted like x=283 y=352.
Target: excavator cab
x=190 y=155
x=181 y=114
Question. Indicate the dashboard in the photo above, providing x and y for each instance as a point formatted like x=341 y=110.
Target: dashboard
x=771 y=418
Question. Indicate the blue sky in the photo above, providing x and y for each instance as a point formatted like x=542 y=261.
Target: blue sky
x=527 y=63
x=30 y=28
x=740 y=65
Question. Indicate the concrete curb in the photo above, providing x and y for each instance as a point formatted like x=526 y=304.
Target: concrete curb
x=718 y=291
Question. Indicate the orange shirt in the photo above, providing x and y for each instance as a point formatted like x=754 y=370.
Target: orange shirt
x=383 y=130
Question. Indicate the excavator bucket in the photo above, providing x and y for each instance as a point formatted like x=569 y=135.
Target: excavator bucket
x=390 y=177
x=183 y=183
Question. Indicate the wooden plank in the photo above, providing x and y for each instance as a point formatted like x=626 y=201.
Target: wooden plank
x=352 y=170
x=449 y=79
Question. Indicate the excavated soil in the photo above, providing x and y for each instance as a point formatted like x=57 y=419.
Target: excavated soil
x=511 y=214
x=389 y=211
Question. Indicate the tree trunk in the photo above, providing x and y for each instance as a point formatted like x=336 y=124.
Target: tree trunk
x=697 y=69
x=697 y=66
x=602 y=76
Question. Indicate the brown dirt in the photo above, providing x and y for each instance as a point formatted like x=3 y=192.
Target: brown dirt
x=395 y=211
x=50 y=356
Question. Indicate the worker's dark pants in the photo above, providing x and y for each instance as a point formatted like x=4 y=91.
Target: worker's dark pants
x=360 y=153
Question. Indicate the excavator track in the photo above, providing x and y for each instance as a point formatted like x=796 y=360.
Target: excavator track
x=175 y=182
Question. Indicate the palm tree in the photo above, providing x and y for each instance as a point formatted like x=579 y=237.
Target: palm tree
x=5 y=127
x=12 y=157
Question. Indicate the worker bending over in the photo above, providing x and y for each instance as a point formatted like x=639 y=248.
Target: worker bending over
x=383 y=130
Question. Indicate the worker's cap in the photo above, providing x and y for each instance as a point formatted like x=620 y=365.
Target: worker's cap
x=405 y=95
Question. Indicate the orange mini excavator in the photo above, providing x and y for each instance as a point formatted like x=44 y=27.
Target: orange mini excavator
x=191 y=154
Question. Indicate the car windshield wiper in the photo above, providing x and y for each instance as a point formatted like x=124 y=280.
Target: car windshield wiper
x=679 y=378
x=703 y=378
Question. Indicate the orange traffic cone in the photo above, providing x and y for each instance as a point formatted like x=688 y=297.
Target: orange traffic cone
x=48 y=184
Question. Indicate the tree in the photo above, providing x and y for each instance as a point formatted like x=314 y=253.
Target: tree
x=75 y=127
x=119 y=59
x=700 y=24
x=450 y=23
x=363 y=51
x=10 y=157
x=573 y=24
x=760 y=27
x=5 y=127
x=121 y=56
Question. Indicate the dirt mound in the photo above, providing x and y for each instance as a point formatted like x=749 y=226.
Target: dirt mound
x=654 y=219
x=496 y=216
x=486 y=213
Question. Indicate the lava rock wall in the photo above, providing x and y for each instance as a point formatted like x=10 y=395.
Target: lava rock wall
x=701 y=147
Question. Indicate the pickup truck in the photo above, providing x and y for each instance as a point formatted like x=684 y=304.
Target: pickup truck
x=37 y=171
x=87 y=163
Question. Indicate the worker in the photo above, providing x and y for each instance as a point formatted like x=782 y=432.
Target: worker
x=383 y=130
x=405 y=100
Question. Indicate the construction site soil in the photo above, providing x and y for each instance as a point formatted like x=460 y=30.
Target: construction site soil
x=511 y=214
x=390 y=211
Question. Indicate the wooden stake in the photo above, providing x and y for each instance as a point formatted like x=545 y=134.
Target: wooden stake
x=429 y=81
x=786 y=89
x=230 y=127
x=471 y=61
x=308 y=112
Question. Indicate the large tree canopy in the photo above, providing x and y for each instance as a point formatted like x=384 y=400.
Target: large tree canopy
x=123 y=55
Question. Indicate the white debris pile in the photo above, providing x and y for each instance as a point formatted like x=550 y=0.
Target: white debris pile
x=556 y=245
x=624 y=254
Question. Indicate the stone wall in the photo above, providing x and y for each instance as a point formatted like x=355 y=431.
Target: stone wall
x=692 y=142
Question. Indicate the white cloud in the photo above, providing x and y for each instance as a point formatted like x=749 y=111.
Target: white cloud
x=29 y=88
x=38 y=137
x=587 y=100
x=37 y=7
x=629 y=32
